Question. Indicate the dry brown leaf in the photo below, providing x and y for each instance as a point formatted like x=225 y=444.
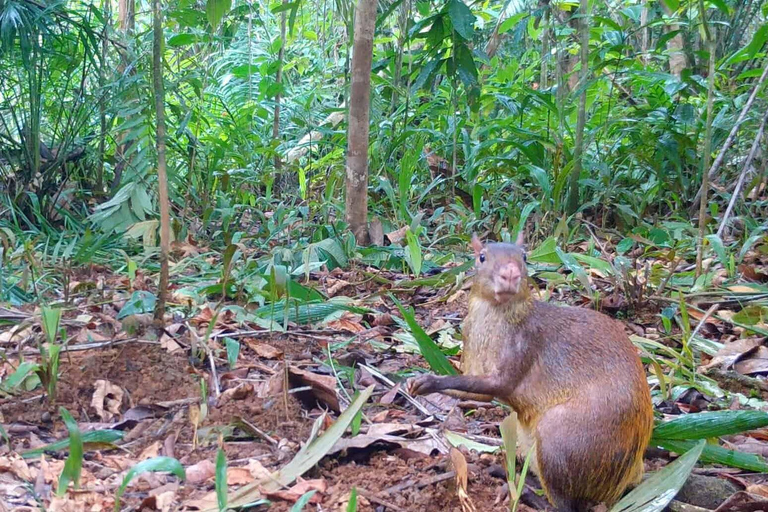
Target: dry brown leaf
x=239 y=476
x=17 y=466
x=349 y=322
x=107 y=399
x=336 y=285
x=169 y=344
x=151 y=451
x=301 y=488
x=323 y=386
x=257 y=470
x=460 y=467
x=200 y=472
x=264 y=350
x=395 y=237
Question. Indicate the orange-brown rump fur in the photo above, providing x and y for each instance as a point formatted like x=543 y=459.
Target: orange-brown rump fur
x=571 y=374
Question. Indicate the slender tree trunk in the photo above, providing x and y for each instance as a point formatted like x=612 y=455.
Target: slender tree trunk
x=359 y=112
x=578 y=150
x=707 y=157
x=162 y=176
x=279 y=181
x=103 y=98
x=543 y=78
x=126 y=14
x=675 y=46
x=644 y=34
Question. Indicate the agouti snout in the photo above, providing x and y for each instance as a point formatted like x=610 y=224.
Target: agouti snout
x=572 y=376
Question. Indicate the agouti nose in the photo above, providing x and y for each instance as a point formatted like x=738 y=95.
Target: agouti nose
x=509 y=277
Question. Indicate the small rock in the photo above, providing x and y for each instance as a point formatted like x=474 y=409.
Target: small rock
x=706 y=491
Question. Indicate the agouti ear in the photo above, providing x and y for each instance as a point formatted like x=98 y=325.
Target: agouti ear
x=477 y=245
x=520 y=241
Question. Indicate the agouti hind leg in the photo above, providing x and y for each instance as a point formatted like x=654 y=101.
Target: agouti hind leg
x=461 y=386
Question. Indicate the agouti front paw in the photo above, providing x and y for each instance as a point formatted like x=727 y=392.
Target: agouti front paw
x=422 y=385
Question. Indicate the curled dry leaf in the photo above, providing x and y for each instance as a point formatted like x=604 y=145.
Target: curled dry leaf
x=239 y=476
x=335 y=286
x=200 y=472
x=460 y=467
x=264 y=350
x=151 y=451
x=107 y=399
x=257 y=470
x=349 y=322
x=323 y=386
x=301 y=488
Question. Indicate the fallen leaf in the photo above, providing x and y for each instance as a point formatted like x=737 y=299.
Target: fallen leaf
x=301 y=488
x=239 y=476
x=460 y=467
x=200 y=472
x=264 y=350
x=257 y=470
x=323 y=386
x=107 y=399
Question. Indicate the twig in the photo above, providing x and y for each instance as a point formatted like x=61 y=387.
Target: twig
x=712 y=309
x=374 y=498
x=419 y=484
x=89 y=346
x=743 y=175
x=731 y=136
x=259 y=432
x=408 y=397
x=669 y=276
x=214 y=375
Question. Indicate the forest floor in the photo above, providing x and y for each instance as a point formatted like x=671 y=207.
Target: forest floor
x=128 y=375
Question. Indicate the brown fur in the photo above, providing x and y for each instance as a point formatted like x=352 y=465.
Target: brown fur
x=571 y=375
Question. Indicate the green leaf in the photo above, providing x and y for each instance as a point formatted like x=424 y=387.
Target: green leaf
x=74 y=463
x=233 y=350
x=458 y=440
x=714 y=454
x=413 y=253
x=305 y=459
x=166 y=464
x=717 y=244
x=625 y=245
x=140 y=302
x=705 y=425
x=465 y=65
x=462 y=18
x=510 y=22
x=750 y=50
x=425 y=73
x=221 y=479
x=428 y=348
x=182 y=40
x=97 y=438
x=302 y=502
x=51 y=320
x=19 y=376
x=571 y=264
x=545 y=252
x=658 y=490
x=215 y=11
x=592 y=262
x=352 y=505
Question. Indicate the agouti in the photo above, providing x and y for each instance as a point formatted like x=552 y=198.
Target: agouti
x=572 y=376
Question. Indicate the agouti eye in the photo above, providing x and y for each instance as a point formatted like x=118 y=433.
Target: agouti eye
x=482 y=257
x=525 y=258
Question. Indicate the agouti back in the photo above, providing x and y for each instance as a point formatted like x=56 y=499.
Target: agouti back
x=572 y=376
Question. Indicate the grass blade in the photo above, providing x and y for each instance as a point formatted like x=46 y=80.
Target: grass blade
x=715 y=454
x=74 y=463
x=428 y=348
x=168 y=464
x=655 y=493
x=705 y=425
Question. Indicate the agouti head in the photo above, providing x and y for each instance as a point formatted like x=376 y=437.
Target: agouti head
x=501 y=272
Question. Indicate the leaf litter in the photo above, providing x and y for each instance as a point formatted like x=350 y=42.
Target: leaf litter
x=153 y=386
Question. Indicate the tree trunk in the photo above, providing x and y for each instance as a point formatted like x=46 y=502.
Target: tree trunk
x=675 y=46
x=644 y=34
x=103 y=98
x=578 y=150
x=707 y=157
x=359 y=112
x=280 y=180
x=126 y=13
x=162 y=176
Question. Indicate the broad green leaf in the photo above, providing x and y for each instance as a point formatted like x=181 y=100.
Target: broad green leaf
x=657 y=491
x=302 y=502
x=305 y=459
x=750 y=50
x=94 y=439
x=233 y=350
x=571 y=264
x=352 y=505
x=719 y=248
x=51 y=320
x=705 y=425
x=462 y=18
x=595 y=263
x=715 y=454
x=140 y=302
x=215 y=11
x=458 y=440
x=17 y=377
x=545 y=253
x=413 y=253
x=221 y=479
x=465 y=65
x=428 y=348
x=510 y=22
x=165 y=464
x=74 y=463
